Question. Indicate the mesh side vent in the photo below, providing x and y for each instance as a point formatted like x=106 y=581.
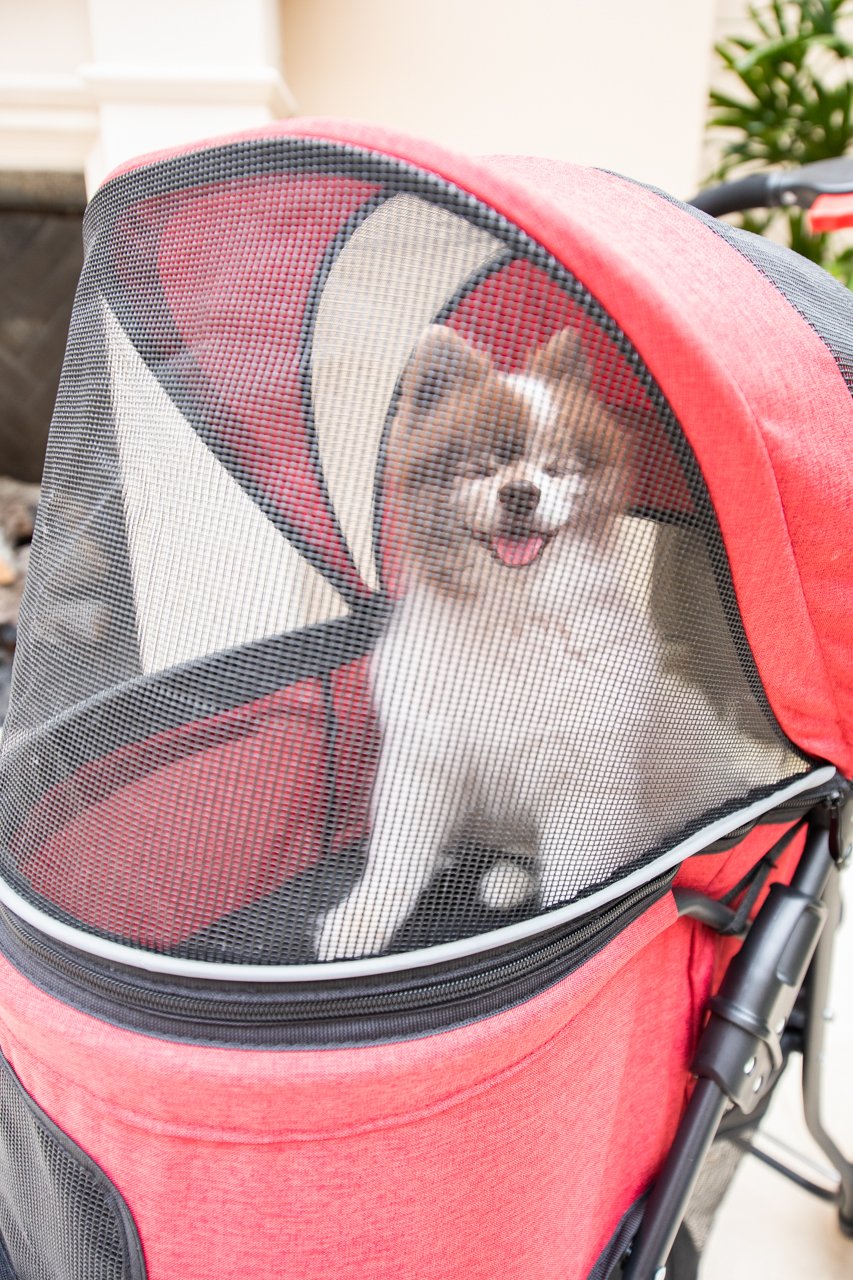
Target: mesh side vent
x=60 y=1218
x=714 y=1182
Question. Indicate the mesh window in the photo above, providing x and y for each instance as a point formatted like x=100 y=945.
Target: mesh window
x=376 y=599
x=60 y=1218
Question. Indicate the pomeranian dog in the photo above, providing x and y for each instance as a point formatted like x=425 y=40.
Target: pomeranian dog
x=511 y=683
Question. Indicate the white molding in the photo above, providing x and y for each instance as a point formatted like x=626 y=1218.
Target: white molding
x=47 y=122
x=104 y=113
x=44 y=92
x=191 y=84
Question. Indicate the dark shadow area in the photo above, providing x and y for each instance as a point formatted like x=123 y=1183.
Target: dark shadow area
x=41 y=255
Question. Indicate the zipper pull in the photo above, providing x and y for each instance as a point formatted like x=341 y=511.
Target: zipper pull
x=840 y=823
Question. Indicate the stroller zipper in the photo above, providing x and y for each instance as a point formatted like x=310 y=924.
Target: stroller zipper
x=319 y=1014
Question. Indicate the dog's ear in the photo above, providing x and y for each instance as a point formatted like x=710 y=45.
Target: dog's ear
x=439 y=363
x=562 y=357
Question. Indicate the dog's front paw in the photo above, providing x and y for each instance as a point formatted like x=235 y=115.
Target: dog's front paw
x=347 y=932
x=505 y=885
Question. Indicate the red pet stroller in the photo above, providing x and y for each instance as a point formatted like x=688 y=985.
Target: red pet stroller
x=241 y=1035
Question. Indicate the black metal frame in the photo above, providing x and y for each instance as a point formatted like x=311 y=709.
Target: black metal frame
x=772 y=1000
x=816 y=993
x=779 y=188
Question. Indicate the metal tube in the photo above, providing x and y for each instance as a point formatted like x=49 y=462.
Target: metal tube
x=818 y=991
x=674 y=1187
x=815 y=866
x=753 y=192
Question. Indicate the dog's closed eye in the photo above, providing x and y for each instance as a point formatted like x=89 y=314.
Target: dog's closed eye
x=439 y=468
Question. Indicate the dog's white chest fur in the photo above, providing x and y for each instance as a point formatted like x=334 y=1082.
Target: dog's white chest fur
x=496 y=692
x=484 y=706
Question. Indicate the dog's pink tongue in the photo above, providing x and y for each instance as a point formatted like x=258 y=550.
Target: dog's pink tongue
x=518 y=552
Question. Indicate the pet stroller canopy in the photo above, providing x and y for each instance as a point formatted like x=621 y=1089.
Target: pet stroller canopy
x=191 y=745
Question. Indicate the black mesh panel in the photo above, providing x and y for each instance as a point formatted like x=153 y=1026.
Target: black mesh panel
x=60 y=1218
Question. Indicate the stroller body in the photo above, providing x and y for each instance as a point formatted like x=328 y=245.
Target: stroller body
x=194 y=1081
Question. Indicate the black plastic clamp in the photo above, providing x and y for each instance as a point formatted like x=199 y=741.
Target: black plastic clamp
x=741 y=1047
x=740 y=1050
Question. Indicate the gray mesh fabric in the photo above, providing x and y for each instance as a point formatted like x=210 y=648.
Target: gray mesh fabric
x=376 y=600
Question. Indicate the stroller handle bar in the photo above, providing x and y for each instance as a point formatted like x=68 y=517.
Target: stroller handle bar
x=824 y=189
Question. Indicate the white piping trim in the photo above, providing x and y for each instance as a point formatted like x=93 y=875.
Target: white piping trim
x=153 y=962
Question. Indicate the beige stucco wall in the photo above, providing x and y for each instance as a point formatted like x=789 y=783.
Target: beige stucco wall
x=89 y=83
x=43 y=36
x=620 y=85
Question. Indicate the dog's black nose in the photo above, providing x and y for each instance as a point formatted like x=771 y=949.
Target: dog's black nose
x=520 y=499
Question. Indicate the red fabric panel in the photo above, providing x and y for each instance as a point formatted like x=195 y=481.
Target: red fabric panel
x=229 y=843
x=235 y=264
x=502 y=1150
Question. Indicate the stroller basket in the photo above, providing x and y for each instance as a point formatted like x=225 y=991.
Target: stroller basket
x=431 y=564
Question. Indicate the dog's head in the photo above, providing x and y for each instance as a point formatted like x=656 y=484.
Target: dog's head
x=484 y=464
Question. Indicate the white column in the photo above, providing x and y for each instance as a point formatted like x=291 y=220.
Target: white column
x=88 y=84
x=163 y=73
x=48 y=122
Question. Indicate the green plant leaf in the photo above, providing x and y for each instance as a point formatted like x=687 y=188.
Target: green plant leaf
x=791 y=103
x=781 y=21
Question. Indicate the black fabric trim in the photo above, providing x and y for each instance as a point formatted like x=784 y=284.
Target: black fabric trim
x=327 y=1014
x=609 y=1263
x=472 y=283
x=133 y=1262
x=331 y=787
x=684 y=519
x=6 y=1272
x=379 y=485
x=682 y=1263
x=189 y=694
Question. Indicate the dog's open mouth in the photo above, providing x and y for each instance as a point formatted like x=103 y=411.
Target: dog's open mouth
x=517 y=551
